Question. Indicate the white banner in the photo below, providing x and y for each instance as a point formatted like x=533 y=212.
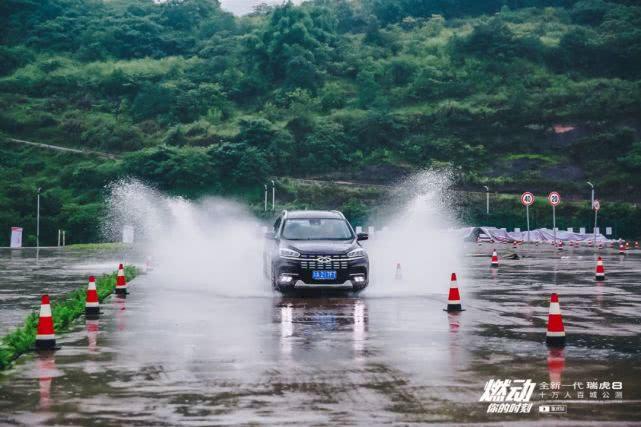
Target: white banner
x=608 y=231
x=571 y=229
x=16 y=237
x=582 y=230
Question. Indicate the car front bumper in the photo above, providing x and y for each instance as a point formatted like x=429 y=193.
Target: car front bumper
x=354 y=276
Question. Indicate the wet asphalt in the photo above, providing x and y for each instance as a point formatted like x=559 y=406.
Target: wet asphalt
x=169 y=355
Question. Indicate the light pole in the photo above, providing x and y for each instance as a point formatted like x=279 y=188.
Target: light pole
x=265 y=197
x=273 y=196
x=38 y=221
x=592 y=198
x=487 y=199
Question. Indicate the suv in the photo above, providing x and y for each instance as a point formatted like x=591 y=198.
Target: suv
x=315 y=250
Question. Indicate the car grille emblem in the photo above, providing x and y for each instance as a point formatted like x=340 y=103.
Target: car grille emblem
x=323 y=259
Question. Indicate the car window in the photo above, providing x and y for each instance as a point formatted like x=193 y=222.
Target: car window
x=316 y=229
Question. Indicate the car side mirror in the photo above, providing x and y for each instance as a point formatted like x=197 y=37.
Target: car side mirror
x=362 y=236
x=269 y=235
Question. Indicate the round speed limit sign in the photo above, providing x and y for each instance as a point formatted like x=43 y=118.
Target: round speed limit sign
x=527 y=198
x=596 y=205
x=554 y=198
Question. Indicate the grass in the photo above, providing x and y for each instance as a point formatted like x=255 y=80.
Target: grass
x=64 y=311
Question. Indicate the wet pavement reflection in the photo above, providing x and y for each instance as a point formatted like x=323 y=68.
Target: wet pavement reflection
x=168 y=354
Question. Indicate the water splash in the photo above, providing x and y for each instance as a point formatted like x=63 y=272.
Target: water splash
x=419 y=237
x=213 y=245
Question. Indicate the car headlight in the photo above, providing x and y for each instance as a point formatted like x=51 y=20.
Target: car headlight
x=288 y=253
x=356 y=253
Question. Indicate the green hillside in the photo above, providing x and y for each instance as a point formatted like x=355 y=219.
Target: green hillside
x=514 y=94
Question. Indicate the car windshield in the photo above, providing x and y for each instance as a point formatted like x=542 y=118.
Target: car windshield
x=317 y=229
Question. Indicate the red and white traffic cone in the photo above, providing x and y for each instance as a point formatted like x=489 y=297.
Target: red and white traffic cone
x=399 y=274
x=555 y=336
x=92 y=306
x=453 y=299
x=45 y=336
x=627 y=245
x=495 y=259
x=600 y=270
x=621 y=249
x=636 y=245
x=560 y=246
x=121 y=281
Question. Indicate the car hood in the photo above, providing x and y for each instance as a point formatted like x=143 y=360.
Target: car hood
x=321 y=246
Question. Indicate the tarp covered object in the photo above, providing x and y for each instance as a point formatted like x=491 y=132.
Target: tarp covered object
x=493 y=234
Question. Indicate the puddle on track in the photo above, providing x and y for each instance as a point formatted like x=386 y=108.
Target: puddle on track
x=168 y=355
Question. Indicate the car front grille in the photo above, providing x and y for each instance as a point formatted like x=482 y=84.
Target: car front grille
x=332 y=262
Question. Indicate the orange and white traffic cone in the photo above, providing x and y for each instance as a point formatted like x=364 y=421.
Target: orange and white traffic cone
x=121 y=281
x=621 y=249
x=453 y=299
x=555 y=336
x=45 y=336
x=495 y=259
x=600 y=270
x=399 y=274
x=92 y=306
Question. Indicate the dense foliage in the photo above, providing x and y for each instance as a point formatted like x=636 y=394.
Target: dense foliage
x=513 y=94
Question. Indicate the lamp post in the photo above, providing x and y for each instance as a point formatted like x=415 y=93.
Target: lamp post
x=592 y=198
x=487 y=199
x=273 y=196
x=38 y=220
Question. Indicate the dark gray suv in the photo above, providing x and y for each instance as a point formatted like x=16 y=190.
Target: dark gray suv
x=316 y=250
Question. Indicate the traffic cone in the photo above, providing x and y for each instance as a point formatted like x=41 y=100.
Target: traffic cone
x=453 y=299
x=495 y=259
x=560 y=246
x=45 y=336
x=621 y=249
x=398 y=275
x=555 y=336
x=92 y=306
x=121 y=281
x=636 y=245
x=600 y=270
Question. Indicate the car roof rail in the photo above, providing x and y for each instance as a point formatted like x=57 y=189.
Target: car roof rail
x=339 y=213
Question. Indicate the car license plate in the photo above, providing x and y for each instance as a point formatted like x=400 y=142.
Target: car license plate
x=324 y=275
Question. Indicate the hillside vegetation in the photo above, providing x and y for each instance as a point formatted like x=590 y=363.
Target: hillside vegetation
x=518 y=94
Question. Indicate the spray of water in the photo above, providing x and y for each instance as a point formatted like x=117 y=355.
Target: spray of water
x=215 y=245
x=420 y=219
